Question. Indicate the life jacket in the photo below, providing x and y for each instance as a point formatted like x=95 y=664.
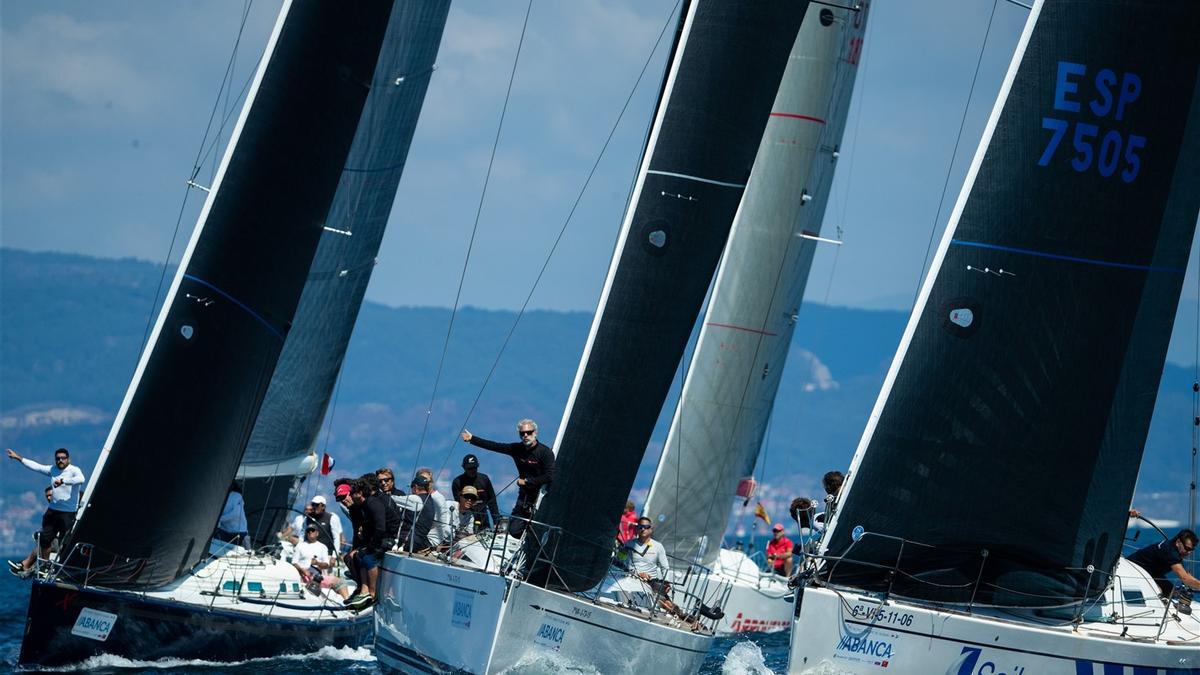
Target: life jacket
x=324 y=530
x=415 y=527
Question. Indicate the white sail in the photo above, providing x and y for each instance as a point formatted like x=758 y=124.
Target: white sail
x=731 y=384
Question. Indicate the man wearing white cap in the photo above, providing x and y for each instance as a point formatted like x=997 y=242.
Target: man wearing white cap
x=329 y=525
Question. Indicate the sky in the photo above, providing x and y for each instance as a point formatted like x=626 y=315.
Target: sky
x=104 y=105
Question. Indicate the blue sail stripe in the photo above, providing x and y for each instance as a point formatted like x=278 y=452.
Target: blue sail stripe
x=1069 y=258
x=237 y=302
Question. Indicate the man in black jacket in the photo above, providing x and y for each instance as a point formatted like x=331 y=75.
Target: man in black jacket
x=381 y=520
x=535 y=469
x=485 y=494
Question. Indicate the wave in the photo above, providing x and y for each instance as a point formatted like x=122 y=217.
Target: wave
x=112 y=662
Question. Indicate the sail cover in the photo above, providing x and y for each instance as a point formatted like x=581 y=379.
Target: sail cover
x=1006 y=442
x=732 y=379
x=301 y=388
x=722 y=80
x=179 y=436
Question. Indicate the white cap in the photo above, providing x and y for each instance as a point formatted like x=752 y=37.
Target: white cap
x=318 y=500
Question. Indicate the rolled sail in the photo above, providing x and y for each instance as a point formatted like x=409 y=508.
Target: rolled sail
x=1007 y=439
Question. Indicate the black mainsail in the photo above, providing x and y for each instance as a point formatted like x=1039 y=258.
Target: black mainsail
x=287 y=426
x=179 y=436
x=723 y=77
x=1008 y=435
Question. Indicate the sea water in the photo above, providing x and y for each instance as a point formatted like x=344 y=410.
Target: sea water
x=756 y=655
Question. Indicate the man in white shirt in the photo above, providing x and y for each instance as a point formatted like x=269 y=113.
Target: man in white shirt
x=311 y=559
x=66 y=482
x=646 y=559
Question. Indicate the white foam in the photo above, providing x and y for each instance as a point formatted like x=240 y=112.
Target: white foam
x=120 y=662
x=545 y=662
x=745 y=658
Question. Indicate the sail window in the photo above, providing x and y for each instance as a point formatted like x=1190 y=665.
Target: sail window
x=656 y=237
x=187 y=331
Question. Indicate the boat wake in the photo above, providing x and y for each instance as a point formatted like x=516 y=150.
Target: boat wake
x=745 y=658
x=546 y=663
x=108 y=662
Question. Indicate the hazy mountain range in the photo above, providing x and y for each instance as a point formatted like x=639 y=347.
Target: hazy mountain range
x=71 y=329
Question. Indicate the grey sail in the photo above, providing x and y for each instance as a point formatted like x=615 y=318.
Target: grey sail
x=734 y=374
x=1005 y=444
x=281 y=447
x=715 y=104
x=184 y=423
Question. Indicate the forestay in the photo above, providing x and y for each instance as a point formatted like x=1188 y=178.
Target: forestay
x=734 y=375
x=723 y=76
x=1011 y=425
x=180 y=433
x=299 y=394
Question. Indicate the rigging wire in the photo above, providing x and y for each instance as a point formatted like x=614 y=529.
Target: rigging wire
x=562 y=231
x=1195 y=423
x=937 y=218
x=471 y=243
x=198 y=163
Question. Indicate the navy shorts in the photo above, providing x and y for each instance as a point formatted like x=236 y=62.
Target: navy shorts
x=367 y=560
x=55 y=524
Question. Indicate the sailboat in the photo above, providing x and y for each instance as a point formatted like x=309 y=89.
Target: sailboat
x=316 y=152
x=730 y=387
x=495 y=602
x=982 y=524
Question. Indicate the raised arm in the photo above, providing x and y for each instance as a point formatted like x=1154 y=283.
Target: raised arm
x=502 y=448
x=72 y=476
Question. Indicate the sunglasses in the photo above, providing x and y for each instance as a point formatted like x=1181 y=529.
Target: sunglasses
x=645 y=527
x=61 y=459
x=470 y=497
x=387 y=480
x=527 y=432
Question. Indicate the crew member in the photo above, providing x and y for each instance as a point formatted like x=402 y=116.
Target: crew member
x=66 y=481
x=535 y=469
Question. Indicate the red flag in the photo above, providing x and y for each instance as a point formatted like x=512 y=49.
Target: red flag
x=326 y=464
x=761 y=512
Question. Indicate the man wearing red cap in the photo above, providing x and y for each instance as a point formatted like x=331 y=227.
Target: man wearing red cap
x=779 y=552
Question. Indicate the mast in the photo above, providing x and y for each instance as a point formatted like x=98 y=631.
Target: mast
x=179 y=435
x=281 y=446
x=722 y=79
x=735 y=372
x=1007 y=438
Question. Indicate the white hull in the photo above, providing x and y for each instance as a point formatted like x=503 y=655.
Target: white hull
x=857 y=633
x=479 y=622
x=758 y=602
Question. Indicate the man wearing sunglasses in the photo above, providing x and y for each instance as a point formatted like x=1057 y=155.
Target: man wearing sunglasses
x=535 y=469
x=65 y=483
x=1168 y=556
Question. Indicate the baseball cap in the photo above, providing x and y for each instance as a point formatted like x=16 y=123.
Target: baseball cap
x=420 y=480
x=470 y=462
x=318 y=499
x=778 y=527
x=342 y=490
x=469 y=490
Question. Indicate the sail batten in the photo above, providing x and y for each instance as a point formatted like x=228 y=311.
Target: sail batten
x=1005 y=444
